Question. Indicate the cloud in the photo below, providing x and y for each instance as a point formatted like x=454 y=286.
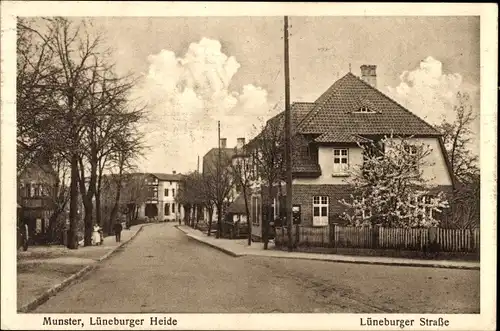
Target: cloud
x=187 y=95
x=430 y=93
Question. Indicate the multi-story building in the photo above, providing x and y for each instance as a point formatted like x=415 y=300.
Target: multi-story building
x=326 y=134
x=210 y=164
x=36 y=196
x=160 y=203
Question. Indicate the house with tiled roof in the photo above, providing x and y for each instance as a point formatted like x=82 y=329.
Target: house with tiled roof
x=325 y=137
x=209 y=168
x=160 y=203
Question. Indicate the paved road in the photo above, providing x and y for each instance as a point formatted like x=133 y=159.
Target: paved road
x=162 y=270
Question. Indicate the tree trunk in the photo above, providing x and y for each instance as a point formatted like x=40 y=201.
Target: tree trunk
x=98 y=212
x=114 y=211
x=87 y=195
x=247 y=211
x=265 y=220
x=187 y=213
x=87 y=205
x=210 y=215
x=73 y=206
x=219 y=222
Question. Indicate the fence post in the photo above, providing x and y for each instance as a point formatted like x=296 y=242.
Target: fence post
x=297 y=235
x=332 y=234
x=375 y=236
x=432 y=238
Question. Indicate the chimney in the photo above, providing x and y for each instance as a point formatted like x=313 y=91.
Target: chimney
x=240 y=142
x=223 y=142
x=174 y=172
x=369 y=74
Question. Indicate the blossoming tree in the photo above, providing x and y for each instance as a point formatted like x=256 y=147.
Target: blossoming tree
x=389 y=187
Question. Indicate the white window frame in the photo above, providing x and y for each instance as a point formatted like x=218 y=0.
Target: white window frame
x=320 y=202
x=428 y=212
x=364 y=110
x=255 y=211
x=343 y=154
x=275 y=208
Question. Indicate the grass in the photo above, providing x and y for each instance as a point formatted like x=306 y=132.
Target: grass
x=34 y=279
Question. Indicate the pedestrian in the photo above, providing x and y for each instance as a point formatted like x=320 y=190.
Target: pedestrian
x=96 y=236
x=118 y=230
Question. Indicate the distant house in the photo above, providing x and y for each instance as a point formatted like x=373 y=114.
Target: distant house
x=36 y=196
x=209 y=164
x=326 y=133
x=160 y=202
x=237 y=210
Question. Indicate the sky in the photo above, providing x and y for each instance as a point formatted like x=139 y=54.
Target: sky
x=196 y=71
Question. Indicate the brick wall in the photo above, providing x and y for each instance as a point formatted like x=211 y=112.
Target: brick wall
x=303 y=195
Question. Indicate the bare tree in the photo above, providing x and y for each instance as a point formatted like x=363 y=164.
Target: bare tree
x=191 y=195
x=268 y=155
x=35 y=98
x=457 y=139
x=128 y=148
x=67 y=90
x=59 y=80
x=244 y=176
x=217 y=186
x=104 y=129
x=135 y=192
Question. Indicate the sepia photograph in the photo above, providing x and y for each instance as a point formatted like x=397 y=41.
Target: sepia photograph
x=270 y=164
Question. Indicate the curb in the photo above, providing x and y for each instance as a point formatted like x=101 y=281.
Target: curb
x=194 y=237
x=224 y=250
x=71 y=279
x=397 y=264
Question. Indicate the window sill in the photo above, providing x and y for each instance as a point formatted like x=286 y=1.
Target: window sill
x=340 y=174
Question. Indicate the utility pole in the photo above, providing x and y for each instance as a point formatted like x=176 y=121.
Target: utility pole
x=218 y=180
x=198 y=165
x=288 y=147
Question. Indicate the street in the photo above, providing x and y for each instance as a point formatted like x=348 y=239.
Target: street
x=161 y=270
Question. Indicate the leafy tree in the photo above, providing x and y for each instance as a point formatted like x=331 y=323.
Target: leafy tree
x=390 y=189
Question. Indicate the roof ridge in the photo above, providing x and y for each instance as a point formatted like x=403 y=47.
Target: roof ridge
x=317 y=108
x=397 y=103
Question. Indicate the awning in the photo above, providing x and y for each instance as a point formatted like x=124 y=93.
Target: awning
x=238 y=206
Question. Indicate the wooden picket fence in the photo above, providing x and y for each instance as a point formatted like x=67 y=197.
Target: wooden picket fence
x=413 y=239
x=401 y=238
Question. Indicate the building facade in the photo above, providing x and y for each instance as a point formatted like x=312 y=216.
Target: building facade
x=325 y=141
x=36 y=197
x=161 y=203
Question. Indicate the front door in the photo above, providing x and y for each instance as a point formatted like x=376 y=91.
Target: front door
x=320 y=211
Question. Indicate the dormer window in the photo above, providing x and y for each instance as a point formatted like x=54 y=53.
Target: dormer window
x=364 y=109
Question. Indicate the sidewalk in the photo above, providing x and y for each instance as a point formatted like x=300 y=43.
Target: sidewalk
x=44 y=270
x=239 y=247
